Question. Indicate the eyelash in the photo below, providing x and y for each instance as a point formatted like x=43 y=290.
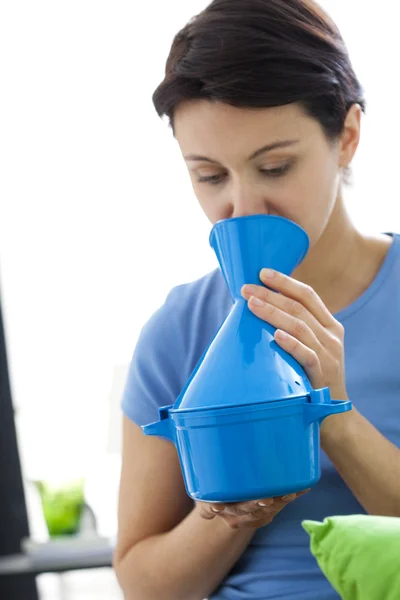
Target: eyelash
x=277 y=172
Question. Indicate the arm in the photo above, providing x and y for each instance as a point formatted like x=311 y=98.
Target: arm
x=366 y=460
x=165 y=549
x=186 y=563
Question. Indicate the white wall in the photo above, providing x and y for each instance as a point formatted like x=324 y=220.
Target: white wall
x=98 y=219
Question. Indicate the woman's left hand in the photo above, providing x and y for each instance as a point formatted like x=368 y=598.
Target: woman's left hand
x=305 y=328
x=247 y=515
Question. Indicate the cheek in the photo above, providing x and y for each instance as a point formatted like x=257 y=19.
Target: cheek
x=311 y=196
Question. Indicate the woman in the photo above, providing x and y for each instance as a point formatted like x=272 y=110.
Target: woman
x=266 y=109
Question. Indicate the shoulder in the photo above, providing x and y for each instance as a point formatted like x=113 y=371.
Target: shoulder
x=197 y=308
x=187 y=297
x=170 y=344
x=198 y=290
x=190 y=313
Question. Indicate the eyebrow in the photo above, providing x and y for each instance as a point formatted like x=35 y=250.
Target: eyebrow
x=267 y=148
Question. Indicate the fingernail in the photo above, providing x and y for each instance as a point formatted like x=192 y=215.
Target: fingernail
x=282 y=334
x=216 y=510
x=289 y=497
x=256 y=301
x=249 y=289
x=269 y=273
x=266 y=504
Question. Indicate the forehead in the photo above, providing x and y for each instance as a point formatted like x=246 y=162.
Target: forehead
x=202 y=125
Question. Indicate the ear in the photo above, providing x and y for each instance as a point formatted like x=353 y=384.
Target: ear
x=350 y=137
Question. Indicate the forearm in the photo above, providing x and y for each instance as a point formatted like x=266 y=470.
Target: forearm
x=368 y=463
x=187 y=563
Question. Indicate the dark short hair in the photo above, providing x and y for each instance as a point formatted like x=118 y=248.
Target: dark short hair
x=260 y=54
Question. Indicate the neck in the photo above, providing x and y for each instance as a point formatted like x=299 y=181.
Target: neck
x=329 y=264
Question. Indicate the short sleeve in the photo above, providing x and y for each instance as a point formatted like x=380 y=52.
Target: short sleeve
x=157 y=372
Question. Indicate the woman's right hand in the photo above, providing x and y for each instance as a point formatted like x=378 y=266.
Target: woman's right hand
x=253 y=514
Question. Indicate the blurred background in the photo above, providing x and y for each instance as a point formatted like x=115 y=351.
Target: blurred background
x=98 y=221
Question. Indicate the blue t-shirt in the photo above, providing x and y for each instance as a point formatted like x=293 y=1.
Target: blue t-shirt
x=277 y=563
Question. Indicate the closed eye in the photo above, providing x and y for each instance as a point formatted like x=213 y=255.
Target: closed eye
x=213 y=179
x=275 y=172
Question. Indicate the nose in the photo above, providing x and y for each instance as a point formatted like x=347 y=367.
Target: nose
x=246 y=201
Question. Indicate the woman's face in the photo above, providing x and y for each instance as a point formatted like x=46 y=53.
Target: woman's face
x=274 y=161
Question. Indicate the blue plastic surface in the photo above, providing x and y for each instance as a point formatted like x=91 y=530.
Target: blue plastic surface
x=246 y=424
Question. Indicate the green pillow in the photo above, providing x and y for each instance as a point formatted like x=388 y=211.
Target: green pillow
x=359 y=554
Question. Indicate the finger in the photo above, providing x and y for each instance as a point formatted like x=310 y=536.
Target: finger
x=252 y=521
x=297 y=314
x=235 y=510
x=255 y=513
x=205 y=513
x=288 y=498
x=217 y=507
x=308 y=358
x=266 y=515
x=298 y=291
x=261 y=516
x=253 y=506
x=209 y=511
x=292 y=325
x=282 y=501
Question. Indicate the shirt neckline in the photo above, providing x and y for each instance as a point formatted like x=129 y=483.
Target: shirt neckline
x=376 y=284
